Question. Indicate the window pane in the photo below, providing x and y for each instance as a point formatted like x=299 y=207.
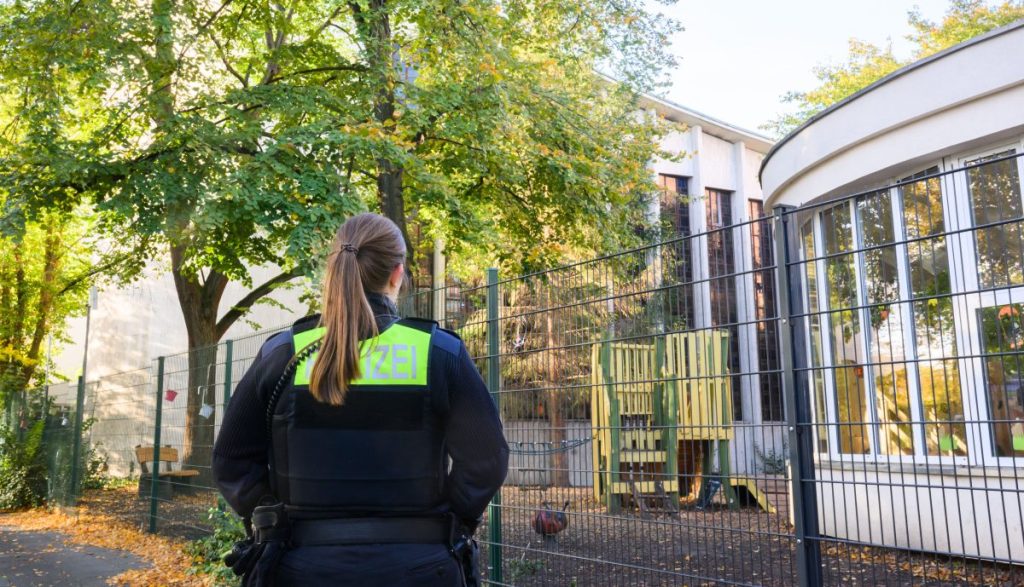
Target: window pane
x=938 y=370
x=875 y=212
x=887 y=352
x=1002 y=333
x=817 y=374
x=995 y=198
x=762 y=255
x=885 y=341
x=722 y=282
x=678 y=262
x=945 y=432
x=848 y=356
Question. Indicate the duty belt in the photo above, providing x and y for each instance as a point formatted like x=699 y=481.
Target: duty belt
x=348 y=531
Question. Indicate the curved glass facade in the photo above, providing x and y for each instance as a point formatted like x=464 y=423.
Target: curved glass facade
x=914 y=313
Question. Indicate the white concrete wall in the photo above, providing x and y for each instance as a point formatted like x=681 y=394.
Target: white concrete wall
x=718 y=163
x=535 y=469
x=972 y=514
x=676 y=142
x=131 y=326
x=751 y=166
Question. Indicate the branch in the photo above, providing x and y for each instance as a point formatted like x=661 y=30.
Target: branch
x=224 y=59
x=326 y=23
x=346 y=67
x=243 y=305
x=453 y=142
x=93 y=271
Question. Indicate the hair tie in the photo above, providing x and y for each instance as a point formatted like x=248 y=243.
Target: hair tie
x=349 y=248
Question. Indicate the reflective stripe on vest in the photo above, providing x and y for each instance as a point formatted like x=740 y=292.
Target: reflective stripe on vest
x=398 y=356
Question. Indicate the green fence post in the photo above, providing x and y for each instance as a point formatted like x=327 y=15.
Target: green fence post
x=76 y=444
x=494 y=383
x=667 y=419
x=154 y=485
x=228 y=352
x=228 y=357
x=614 y=465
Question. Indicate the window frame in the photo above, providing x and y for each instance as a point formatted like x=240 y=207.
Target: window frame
x=977 y=409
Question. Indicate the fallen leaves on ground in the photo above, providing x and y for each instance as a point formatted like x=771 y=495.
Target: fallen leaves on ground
x=169 y=563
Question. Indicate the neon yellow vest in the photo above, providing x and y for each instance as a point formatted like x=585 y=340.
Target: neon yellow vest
x=398 y=356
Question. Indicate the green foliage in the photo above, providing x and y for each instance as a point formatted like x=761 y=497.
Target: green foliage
x=44 y=277
x=770 y=461
x=521 y=568
x=22 y=467
x=94 y=475
x=241 y=134
x=208 y=553
x=867 y=63
x=107 y=482
x=964 y=20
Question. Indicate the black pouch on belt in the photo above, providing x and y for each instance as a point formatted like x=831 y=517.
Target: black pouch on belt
x=271 y=533
x=466 y=551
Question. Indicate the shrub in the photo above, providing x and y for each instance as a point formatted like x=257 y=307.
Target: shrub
x=208 y=553
x=22 y=467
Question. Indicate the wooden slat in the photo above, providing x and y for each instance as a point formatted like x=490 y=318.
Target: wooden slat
x=643 y=456
x=145 y=454
x=698 y=363
x=180 y=473
x=646 y=487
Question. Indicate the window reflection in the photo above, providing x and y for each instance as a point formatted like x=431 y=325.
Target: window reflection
x=885 y=338
x=938 y=371
x=817 y=374
x=1002 y=334
x=995 y=199
x=848 y=355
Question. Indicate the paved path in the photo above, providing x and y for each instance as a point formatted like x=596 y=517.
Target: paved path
x=31 y=559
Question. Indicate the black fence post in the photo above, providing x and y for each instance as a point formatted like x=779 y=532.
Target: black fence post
x=154 y=485
x=798 y=417
x=494 y=383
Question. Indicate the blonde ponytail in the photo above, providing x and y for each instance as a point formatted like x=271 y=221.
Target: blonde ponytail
x=366 y=250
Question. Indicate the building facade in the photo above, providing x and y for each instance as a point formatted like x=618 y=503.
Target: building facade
x=712 y=188
x=905 y=227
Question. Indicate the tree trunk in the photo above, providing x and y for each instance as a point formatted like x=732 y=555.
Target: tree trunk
x=560 y=458
x=375 y=27
x=199 y=303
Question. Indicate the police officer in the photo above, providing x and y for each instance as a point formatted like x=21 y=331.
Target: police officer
x=375 y=435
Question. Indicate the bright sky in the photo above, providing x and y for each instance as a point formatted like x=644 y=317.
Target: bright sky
x=738 y=57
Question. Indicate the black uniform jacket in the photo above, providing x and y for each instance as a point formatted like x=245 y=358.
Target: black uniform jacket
x=474 y=437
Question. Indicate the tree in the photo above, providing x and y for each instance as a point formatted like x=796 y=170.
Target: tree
x=229 y=135
x=44 y=278
x=45 y=261
x=867 y=63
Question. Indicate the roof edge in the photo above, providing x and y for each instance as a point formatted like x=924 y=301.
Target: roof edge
x=1019 y=24
x=710 y=119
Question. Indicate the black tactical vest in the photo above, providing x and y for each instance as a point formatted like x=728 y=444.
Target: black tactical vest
x=383 y=450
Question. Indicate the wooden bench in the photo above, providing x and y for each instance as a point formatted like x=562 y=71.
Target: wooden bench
x=167 y=476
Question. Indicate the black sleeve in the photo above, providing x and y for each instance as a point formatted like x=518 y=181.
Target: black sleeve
x=240 y=453
x=476 y=441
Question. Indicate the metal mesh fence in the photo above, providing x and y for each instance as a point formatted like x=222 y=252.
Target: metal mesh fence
x=692 y=411
x=906 y=341
x=621 y=381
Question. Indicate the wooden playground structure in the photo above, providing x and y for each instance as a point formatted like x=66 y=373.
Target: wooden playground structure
x=651 y=404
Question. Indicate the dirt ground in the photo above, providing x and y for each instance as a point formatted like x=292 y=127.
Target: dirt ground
x=710 y=547
x=183 y=516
